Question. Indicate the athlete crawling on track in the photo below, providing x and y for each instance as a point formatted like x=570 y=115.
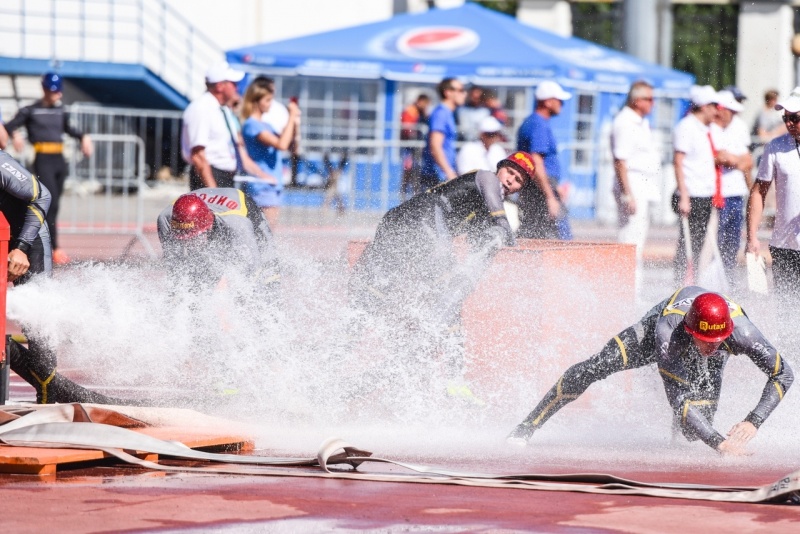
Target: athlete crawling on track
x=409 y=273
x=689 y=336
x=213 y=232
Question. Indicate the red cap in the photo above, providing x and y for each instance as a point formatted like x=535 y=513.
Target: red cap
x=190 y=217
x=522 y=161
x=709 y=318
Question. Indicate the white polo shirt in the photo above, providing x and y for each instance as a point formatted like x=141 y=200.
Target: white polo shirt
x=781 y=164
x=735 y=140
x=204 y=124
x=691 y=138
x=474 y=156
x=632 y=142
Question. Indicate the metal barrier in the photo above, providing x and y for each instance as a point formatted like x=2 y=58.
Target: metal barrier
x=146 y=32
x=103 y=194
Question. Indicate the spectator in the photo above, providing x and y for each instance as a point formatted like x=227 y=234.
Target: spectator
x=542 y=213
x=732 y=142
x=439 y=155
x=264 y=145
x=769 y=122
x=485 y=153
x=208 y=140
x=492 y=103
x=46 y=122
x=637 y=165
x=780 y=164
x=695 y=174
x=414 y=116
x=471 y=113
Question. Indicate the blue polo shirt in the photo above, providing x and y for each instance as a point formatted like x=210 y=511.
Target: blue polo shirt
x=441 y=120
x=535 y=135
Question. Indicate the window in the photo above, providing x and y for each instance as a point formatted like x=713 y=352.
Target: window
x=335 y=112
x=584 y=131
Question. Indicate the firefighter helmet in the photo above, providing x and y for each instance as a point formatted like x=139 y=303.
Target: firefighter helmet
x=709 y=318
x=522 y=161
x=190 y=217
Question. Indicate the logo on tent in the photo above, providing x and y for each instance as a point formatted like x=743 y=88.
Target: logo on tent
x=437 y=42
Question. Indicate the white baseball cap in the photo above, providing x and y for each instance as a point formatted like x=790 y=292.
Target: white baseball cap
x=490 y=125
x=222 y=72
x=703 y=95
x=550 y=89
x=791 y=103
x=728 y=101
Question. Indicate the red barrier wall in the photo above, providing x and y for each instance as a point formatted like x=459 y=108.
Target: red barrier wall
x=5 y=237
x=540 y=307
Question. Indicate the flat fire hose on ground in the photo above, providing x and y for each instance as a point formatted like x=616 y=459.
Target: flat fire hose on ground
x=70 y=426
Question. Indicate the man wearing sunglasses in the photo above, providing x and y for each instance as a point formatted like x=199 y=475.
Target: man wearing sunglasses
x=781 y=164
x=439 y=155
x=637 y=165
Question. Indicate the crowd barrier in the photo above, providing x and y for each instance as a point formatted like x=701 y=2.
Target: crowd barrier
x=104 y=192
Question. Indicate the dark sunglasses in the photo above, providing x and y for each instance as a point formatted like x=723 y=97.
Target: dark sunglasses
x=794 y=118
x=647 y=99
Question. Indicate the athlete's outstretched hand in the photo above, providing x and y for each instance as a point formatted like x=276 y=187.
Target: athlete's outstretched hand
x=738 y=438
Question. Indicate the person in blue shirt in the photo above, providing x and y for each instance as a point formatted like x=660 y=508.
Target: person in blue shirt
x=543 y=215
x=264 y=145
x=439 y=155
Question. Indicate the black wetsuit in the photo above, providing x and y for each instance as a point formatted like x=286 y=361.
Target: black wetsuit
x=46 y=126
x=24 y=203
x=412 y=253
x=240 y=243
x=692 y=381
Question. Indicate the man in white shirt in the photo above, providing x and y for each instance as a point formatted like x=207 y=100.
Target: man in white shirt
x=781 y=164
x=732 y=142
x=485 y=153
x=637 y=165
x=695 y=173
x=208 y=138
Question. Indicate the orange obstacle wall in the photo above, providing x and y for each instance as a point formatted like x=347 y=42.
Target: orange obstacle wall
x=540 y=307
x=543 y=306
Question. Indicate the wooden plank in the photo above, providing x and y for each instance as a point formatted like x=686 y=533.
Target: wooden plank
x=43 y=462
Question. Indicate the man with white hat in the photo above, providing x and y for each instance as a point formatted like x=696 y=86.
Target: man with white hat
x=539 y=202
x=732 y=142
x=485 y=153
x=781 y=164
x=637 y=166
x=209 y=139
x=695 y=173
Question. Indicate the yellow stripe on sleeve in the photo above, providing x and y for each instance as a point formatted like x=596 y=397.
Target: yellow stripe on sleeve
x=622 y=350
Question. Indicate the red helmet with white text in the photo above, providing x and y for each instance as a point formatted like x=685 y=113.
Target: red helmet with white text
x=190 y=217
x=709 y=318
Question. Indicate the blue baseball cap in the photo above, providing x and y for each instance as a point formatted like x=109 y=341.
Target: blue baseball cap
x=52 y=82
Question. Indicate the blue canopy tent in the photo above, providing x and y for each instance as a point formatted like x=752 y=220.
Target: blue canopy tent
x=486 y=48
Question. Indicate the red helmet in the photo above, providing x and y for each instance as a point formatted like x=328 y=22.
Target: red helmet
x=522 y=161
x=709 y=318
x=190 y=217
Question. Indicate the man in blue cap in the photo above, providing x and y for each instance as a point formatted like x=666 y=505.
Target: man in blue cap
x=46 y=122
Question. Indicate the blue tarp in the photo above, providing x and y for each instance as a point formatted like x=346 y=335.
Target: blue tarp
x=468 y=41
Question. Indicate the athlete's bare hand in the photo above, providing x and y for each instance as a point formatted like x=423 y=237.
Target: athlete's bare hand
x=18 y=264
x=742 y=433
x=732 y=448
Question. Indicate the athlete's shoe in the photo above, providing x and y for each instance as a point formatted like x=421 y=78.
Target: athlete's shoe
x=519 y=436
x=460 y=391
x=60 y=257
